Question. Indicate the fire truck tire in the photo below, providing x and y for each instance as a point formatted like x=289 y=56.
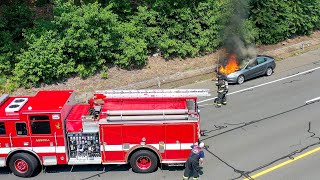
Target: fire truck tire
x=144 y=161
x=23 y=164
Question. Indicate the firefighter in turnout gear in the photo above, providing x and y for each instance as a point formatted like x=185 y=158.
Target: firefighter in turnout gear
x=222 y=90
x=192 y=164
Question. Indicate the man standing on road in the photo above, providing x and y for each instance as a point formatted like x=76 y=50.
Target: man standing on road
x=222 y=90
x=192 y=164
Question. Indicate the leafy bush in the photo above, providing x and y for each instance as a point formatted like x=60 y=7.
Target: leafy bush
x=131 y=50
x=104 y=72
x=249 y=32
x=305 y=16
x=177 y=34
x=211 y=16
x=93 y=36
x=149 y=27
x=189 y=29
x=278 y=20
x=40 y=3
x=84 y=35
x=81 y=40
x=44 y=61
x=2 y=83
x=7 y=50
x=87 y=33
x=16 y=18
x=273 y=20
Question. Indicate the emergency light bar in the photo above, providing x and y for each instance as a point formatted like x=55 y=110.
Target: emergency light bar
x=16 y=104
x=154 y=93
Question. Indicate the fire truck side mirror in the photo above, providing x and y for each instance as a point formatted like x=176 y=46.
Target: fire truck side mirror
x=198 y=110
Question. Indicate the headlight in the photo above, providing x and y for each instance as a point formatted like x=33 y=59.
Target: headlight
x=232 y=75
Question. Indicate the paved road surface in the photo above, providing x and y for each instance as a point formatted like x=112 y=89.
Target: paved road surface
x=259 y=129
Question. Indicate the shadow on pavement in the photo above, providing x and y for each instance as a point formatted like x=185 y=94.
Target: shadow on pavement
x=102 y=169
x=171 y=168
x=4 y=170
x=127 y=168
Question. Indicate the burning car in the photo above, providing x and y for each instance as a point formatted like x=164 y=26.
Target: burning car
x=248 y=69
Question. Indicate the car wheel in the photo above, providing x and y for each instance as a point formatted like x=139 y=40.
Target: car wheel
x=23 y=164
x=240 y=79
x=269 y=71
x=144 y=161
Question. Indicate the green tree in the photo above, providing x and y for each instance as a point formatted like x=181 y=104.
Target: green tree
x=131 y=49
x=271 y=17
x=87 y=32
x=189 y=28
x=305 y=16
x=43 y=62
x=7 y=50
x=16 y=18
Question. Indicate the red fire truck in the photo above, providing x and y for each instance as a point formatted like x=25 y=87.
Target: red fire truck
x=139 y=127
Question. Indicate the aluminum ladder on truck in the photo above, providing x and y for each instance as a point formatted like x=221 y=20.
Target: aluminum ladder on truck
x=154 y=93
x=152 y=114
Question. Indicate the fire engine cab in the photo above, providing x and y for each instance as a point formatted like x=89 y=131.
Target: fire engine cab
x=139 y=127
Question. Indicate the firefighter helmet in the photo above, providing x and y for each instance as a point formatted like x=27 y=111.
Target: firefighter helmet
x=201 y=144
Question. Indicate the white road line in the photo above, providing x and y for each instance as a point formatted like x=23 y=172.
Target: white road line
x=305 y=72
x=313 y=100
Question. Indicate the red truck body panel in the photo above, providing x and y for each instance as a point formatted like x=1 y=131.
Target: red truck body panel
x=54 y=129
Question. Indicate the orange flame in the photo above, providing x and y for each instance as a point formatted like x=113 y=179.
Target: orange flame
x=231 y=67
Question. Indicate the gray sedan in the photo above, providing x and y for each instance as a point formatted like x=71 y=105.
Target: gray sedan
x=261 y=65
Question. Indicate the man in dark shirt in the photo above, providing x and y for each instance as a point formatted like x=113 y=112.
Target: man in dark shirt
x=192 y=165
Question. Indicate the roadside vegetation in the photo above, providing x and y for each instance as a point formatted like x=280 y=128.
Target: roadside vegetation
x=83 y=37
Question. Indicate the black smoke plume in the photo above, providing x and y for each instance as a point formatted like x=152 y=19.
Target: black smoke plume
x=233 y=34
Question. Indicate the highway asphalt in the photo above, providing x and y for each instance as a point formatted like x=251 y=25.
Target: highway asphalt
x=265 y=132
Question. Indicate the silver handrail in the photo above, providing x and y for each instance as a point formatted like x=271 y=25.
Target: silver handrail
x=11 y=144
x=55 y=139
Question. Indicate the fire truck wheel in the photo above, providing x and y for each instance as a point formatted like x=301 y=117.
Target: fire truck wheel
x=144 y=161
x=23 y=164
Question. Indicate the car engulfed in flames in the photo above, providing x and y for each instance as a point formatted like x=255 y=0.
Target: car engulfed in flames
x=236 y=72
x=232 y=65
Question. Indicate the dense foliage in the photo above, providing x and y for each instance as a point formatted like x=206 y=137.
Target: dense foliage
x=278 y=20
x=86 y=36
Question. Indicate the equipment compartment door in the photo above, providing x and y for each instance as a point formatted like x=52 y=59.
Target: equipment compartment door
x=111 y=143
x=179 y=138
